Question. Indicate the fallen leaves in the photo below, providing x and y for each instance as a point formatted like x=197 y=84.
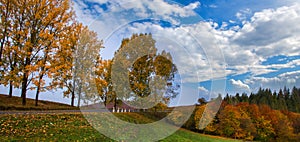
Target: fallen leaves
x=39 y=127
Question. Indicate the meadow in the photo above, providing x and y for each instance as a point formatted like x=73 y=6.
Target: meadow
x=74 y=127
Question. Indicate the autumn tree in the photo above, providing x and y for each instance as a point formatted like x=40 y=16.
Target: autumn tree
x=283 y=100
x=5 y=24
x=82 y=59
x=7 y=55
x=103 y=81
x=202 y=101
x=57 y=19
x=36 y=32
x=283 y=129
x=230 y=122
x=265 y=131
x=141 y=74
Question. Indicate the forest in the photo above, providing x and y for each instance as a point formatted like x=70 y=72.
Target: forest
x=261 y=116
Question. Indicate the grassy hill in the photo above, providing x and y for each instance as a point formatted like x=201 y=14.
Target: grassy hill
x=71 y=126
x=15 y=103
x=74 y=127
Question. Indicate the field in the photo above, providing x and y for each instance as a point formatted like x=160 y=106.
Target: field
x=66 y=125
x=74 y=127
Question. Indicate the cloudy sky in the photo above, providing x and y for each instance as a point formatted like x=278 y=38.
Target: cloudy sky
x=224 y=46
x=218 y=46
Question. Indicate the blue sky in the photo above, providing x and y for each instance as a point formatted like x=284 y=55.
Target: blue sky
x=219 y=46
x=228 y=46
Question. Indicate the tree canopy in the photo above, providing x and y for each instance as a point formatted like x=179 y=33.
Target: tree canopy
x=142 y=76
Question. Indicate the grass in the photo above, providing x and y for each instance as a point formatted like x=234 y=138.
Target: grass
x=74 y=127
x=183 y=135
x=46 y=127
x=15 y=103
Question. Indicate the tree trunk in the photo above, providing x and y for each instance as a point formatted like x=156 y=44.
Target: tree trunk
x=72 y=98
x=105 y=101
x=37 y=96
x=79 y=96
x=11 y=82
x=38 y=90
x=115 y=104
x=24 y=88
x=10 y=89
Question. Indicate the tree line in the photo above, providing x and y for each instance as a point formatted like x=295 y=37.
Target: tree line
x=262 y=116
x=284 y=99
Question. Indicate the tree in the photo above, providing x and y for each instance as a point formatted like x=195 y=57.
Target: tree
x=5 y=24
x=229 y=124
x=36 y=32
x=53 y=34
x=281 y=100
x=295 y=100
x=85 y=54
x=103 y=81
x=7 y=55
x=202 y=101
x=9 y=70
x=142 y=75
x=264 y=128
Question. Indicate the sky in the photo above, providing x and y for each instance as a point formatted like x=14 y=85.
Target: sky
x=218 y=46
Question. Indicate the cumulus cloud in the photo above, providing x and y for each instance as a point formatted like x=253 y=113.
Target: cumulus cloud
x=203 y=89
x=268 y=33
x=288 y=79
x=271 y=32
x=139 y=8
x=239 y=85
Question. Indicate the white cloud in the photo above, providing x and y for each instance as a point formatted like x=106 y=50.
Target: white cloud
x=239 y=85
x=193 y=6
x=120 y=13
x=271 y=32
x=293 y=74
x=288 y=79
x=213 y=6
x=203 y=89
x=243 y=14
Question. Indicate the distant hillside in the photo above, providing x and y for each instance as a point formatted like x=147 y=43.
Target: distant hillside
x=15 y=103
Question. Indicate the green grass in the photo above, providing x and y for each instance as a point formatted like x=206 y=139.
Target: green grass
x=15 y=103
x=183 y=135
x=74 y=127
